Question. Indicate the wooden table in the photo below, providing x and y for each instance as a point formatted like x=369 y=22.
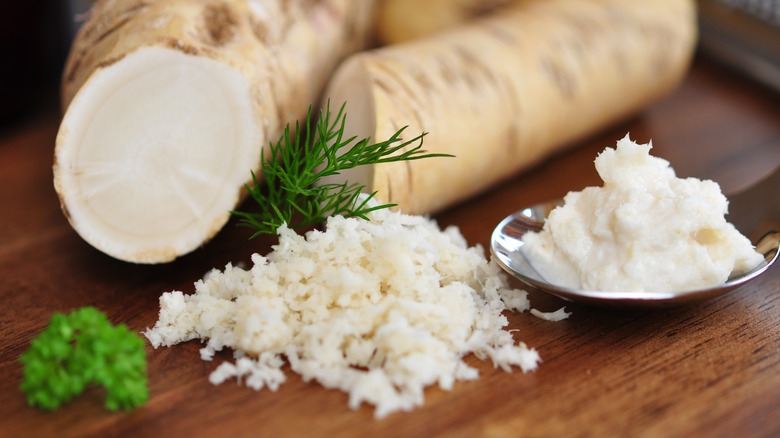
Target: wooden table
x=707 y=370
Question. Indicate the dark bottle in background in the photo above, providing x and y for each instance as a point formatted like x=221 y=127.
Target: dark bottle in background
x=35 y=36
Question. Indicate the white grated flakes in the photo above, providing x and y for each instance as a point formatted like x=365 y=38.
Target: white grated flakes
x=558 y=315
x=379 y=309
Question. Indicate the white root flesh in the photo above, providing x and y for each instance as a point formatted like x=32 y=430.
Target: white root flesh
x=168 y=104
x=505 y=91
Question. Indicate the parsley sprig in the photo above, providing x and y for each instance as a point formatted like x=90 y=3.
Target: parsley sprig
x=79 y=349
x=294 y=189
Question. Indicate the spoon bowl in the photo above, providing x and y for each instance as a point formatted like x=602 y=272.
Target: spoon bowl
x=755 y=212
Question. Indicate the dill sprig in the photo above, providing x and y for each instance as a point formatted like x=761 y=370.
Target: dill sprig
x=293 y=191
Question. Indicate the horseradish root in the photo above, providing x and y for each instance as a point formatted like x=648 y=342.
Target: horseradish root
x=404 y=20
x=169 y=103
x=504 y=91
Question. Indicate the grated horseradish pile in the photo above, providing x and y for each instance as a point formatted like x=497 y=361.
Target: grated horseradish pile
x=379 y=309
x=644 y=230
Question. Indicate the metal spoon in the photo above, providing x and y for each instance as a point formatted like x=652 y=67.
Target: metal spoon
x=755 y=212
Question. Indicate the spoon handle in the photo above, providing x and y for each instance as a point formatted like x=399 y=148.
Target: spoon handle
x=756 y=210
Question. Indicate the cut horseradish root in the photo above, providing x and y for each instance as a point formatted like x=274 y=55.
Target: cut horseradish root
x=151 y=156
x=168 y=105
x=499 y=118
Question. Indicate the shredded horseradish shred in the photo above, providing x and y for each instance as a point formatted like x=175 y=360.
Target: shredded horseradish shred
x=379 y=309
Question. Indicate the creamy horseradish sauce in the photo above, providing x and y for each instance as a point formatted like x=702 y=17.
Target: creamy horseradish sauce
x=644 y=230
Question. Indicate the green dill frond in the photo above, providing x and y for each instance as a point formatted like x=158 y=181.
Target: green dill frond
x=290 y=190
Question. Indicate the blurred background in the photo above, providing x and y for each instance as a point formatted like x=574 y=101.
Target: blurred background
x=35 y=37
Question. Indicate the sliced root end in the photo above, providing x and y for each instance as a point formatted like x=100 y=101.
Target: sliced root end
x=153 y=152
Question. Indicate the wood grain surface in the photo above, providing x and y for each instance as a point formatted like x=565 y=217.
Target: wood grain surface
x=711 y=369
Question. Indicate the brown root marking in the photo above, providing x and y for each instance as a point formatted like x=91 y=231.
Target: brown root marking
x=105 y=25
x=509 y=88
x=475 y=73
x=501 y=34
x=485 y=7
x=220 y=22
x=383 y=85
x=423 y=80
x=177 y=44
x=260 y=30
x=396 y=77
x=124 y=17
x=72 y=68
x=448 y=74
x=559 y=76
x=108 y=31
x=108 y=62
